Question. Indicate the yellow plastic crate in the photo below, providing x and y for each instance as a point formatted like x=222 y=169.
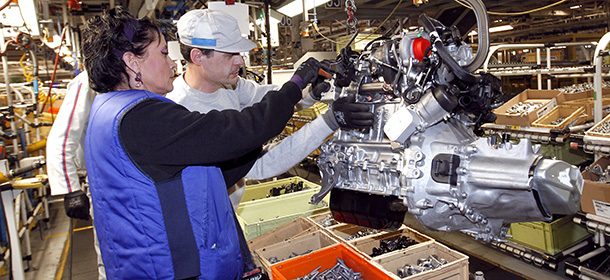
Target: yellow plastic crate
x=551 y=238
x=260 y=216
x=261 y=191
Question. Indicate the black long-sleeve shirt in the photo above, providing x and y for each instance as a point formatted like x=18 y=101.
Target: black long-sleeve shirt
x=163 y=138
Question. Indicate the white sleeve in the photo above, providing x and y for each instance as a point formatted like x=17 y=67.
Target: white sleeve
x=65 y=140
x=250 y=92
x=291 y=150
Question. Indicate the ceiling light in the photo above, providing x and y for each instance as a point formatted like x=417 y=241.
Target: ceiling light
x=576 y=7
x=493 y=29
x=296 y=7
x=412 y=27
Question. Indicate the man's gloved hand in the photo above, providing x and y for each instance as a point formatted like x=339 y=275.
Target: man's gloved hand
x=306 y=73
x=77 y=205
x=346 y=113
x=318 y=89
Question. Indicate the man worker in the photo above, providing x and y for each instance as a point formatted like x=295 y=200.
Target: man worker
x=211 y=43
x=66 y=156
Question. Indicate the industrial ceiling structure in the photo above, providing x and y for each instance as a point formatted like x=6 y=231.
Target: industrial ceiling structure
x=567 y=19
x=524 y=21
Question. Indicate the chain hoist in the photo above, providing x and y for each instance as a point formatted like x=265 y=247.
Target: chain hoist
x=350 y=8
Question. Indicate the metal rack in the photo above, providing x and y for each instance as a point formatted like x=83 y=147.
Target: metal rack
x=537 y=69
x=600 y=226
x=18 y=210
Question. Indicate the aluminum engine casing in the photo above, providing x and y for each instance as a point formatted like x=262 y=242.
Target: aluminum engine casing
x=489 y=186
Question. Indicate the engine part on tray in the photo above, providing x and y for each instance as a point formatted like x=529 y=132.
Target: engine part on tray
x=523 y=108
x=339 y=271
x=432 y=262
x=386 y=246
x=362 y=233
x=558 y=121
x=603 y=175
x=327 y=221
x=424 y=154
x=273 y=260
x=581 y=87
x=288 y=188
x=603 y=127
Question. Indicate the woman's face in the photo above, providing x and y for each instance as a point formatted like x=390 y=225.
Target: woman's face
x=157 y=67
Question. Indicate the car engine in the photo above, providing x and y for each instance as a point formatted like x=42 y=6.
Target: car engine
x=425 y=154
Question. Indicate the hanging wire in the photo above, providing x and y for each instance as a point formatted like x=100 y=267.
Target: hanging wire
x=315 y=25
x=517 y=13
x=382 y=23
x=48 y=96
x=27 y=69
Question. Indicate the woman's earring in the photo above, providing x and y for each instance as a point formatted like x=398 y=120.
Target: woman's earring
x=139 y=79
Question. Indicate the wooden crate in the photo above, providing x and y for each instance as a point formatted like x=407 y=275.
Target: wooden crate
x=345 y=231
x=572 y=115
x=318 y=219
x=545 y=97
x=592 y=131
x=366 y=244
x=283 y=251
x=456 y=267
x=282 y=233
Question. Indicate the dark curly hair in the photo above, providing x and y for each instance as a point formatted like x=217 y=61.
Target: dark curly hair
x=107 y=38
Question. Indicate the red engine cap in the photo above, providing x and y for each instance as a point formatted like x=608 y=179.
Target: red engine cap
x=419 y=48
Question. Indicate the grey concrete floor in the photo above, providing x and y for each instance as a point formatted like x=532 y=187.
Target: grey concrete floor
x=49 y=258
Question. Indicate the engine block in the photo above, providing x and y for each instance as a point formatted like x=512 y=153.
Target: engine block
x=423 y=155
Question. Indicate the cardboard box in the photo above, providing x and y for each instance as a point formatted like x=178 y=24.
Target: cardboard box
x=595 y=198
x=545 y=97
x=556 y=55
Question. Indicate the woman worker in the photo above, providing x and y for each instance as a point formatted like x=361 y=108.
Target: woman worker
x=158 y=172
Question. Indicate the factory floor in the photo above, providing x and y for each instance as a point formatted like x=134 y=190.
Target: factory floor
x=51 y=258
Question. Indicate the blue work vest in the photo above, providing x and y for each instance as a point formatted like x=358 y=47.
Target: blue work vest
x=180 y=228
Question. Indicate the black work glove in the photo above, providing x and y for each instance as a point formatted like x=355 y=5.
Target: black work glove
x=77 y=205
x=306 y=73
x=256 y=274
x=319 y=89
x=346 y=113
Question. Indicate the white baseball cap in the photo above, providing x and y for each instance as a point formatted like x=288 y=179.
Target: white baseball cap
x=212 y=29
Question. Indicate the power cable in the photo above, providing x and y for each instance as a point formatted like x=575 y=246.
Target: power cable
x=315 y=26
x=61 y=42
x=8 y=2
x=516 y=13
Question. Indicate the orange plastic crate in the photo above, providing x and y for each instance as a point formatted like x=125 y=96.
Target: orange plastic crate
x=327 y=258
